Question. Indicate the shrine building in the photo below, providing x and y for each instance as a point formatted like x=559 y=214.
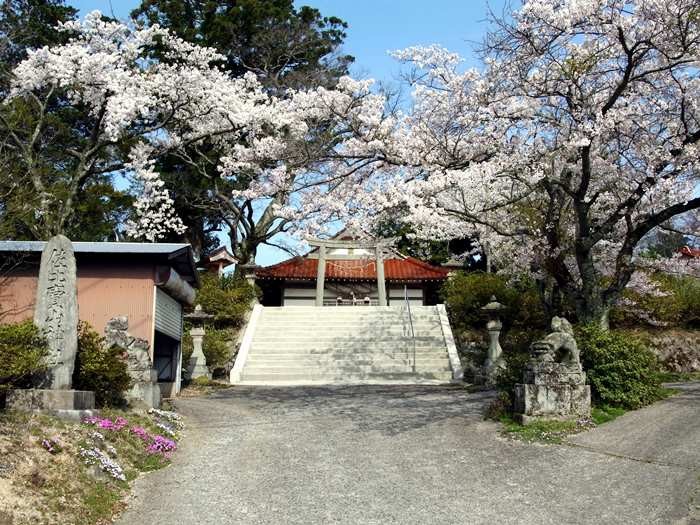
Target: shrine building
x=348 y=272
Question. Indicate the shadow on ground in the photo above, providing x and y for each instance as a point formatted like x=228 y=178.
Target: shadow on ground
x=390 y=410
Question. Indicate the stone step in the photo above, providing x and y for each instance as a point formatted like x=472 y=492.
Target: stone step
x=350 y=348
x=346 y=323
x=421 y=357
x=311 y=378
x=337 y=369
x=315 y=314
x=304 y=359
x=311 y=348
x=322 y=312
x=353 y=345
x=372 y=308
x=363 y=336
x=348 y=366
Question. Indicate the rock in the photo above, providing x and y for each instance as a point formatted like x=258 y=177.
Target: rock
x=117 y=324
x=554 y=384
x=56 y=311
x=144 y=376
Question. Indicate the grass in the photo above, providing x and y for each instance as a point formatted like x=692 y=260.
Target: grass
x=604 y=414
x=541 y=431
x=678 y=377
x=203 y=386
x=100 y=502
x=59 y=488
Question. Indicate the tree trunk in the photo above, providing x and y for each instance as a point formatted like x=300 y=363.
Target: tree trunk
x=592 y=309
x=245 y=251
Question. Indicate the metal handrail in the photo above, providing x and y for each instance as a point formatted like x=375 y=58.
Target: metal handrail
x=410 y=323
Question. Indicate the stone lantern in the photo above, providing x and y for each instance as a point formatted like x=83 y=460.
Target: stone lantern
x=197 y=367
x=494 y=361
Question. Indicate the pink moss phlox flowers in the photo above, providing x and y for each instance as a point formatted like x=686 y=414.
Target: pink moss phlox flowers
x=52 y=445
x=155 y=444
x=106 y=423
x=142 y=433
x=162 y=445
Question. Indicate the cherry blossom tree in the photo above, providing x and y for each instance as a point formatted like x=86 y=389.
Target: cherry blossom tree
x=274 y=182
x=137 y=108
x=252 y=150
x=576 y=140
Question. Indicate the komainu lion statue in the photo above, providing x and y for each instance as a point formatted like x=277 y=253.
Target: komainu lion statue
x=558 y=346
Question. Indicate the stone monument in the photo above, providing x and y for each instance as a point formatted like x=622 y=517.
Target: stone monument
x=56 y=315
x=554 y=384
x=197 y=367
x=143 y=376
x=56 y=311
x=494 y=361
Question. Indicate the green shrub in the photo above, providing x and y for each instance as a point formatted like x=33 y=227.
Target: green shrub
x=23 y=352
x=466 y=293
x=217 y=347
x=516 y=355
x=686 y=293
x=227 y=298
x=622 y=371
x=100 y=369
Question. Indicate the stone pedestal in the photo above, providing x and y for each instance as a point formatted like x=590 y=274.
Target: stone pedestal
x=68 y=404
x=552 y=391
x=197 y=367
x=494 y=362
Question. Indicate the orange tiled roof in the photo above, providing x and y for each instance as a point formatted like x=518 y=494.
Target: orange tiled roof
x=408 y=269
x=689 y=252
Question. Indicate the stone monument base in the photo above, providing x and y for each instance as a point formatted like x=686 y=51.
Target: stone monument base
x=145 y=388
x=144 y=377
x=555 y=401
x=66 y=404
x=196 y=370
x=146 y=393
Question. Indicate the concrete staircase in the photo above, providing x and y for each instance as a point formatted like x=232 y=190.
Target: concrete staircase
x=299 y=345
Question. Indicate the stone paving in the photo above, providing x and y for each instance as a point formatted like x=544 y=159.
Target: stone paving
x=416 y=455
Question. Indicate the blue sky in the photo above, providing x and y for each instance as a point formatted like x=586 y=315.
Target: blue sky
x=375 y=27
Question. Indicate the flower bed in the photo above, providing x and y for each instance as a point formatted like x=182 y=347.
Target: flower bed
x=78 y=473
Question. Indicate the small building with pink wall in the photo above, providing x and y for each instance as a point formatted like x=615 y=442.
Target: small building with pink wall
x=150 y=283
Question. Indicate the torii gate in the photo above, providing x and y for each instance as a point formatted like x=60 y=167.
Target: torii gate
x=377 y=246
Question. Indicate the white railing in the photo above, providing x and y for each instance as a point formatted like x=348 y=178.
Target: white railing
x=350 y=302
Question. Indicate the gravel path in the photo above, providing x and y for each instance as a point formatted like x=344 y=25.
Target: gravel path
x=415 y=455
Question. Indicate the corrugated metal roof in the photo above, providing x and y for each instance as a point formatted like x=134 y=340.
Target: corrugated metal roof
x=178 y=255
x=98 y=247
x=408 y=269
